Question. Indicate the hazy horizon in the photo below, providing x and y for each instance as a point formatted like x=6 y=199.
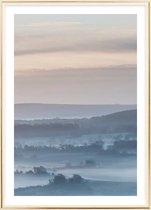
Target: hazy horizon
x=79 y=104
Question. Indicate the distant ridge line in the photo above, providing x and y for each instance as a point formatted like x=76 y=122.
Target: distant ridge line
x=133 y=111
x=76 y=104
x=51 y=111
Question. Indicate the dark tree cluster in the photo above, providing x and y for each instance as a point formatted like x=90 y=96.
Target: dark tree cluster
x=61 y=179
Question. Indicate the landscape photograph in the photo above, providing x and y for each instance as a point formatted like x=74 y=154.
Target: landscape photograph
x=75 y=105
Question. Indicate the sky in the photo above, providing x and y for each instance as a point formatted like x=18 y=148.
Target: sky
x=76 y=59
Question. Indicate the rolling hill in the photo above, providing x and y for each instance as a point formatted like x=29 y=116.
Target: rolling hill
x=41 y=111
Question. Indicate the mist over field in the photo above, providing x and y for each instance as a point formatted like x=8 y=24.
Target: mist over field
x=77 y=156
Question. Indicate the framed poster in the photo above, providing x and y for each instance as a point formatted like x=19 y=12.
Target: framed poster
x=75 y=105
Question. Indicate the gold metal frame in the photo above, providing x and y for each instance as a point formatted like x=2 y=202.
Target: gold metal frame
x=147 y=4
